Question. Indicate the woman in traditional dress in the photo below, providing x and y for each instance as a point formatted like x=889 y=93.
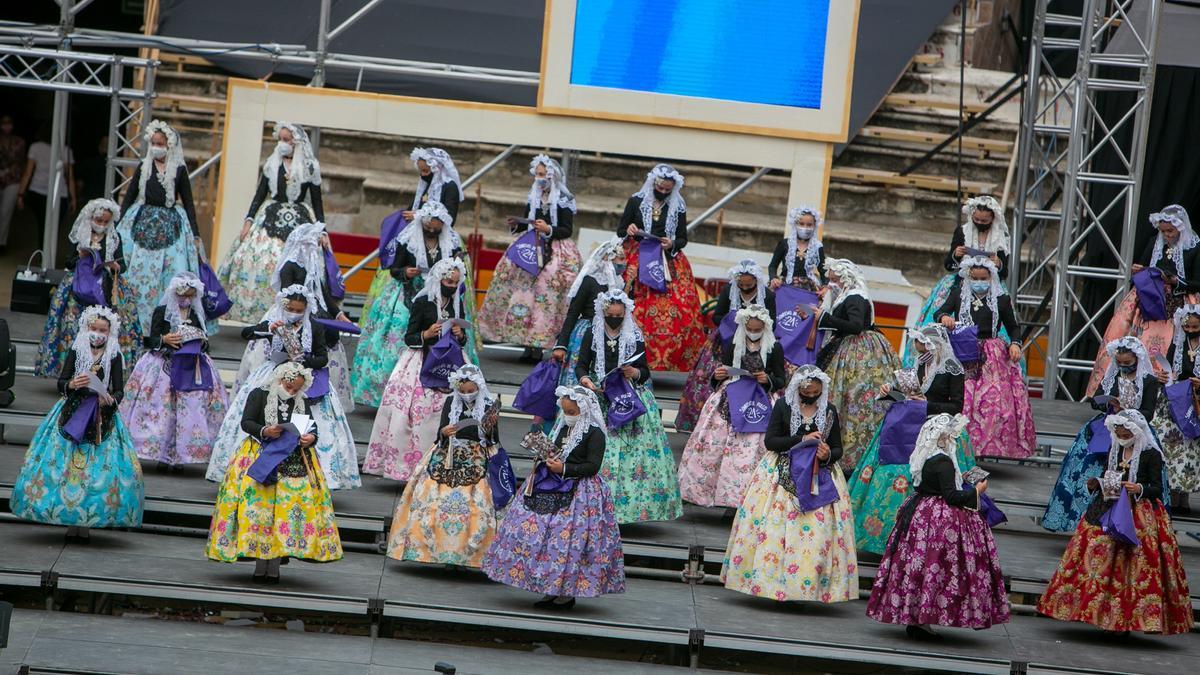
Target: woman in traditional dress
x=560 y=536
x=446 y=514
x=291 y=333
x=638 y=465
x=81 y=469
x=93 y=234
x=855 y=355
x=158 y=226
x=274 y=503
x=526 y=309
x=718 y=459
x=983 y=230
x=1174 y=252
x=407 y=422
x=657 y=214
x=602 y=272
x=940 y=567
x=1129 y=384
x=793 y=536
x=799 y=258
x=1107 y=582
x=430 y=240
x=881 y=480
x=289 y=176
x=747 y=286
x=174 y=399
x=1182 y=454
x=996 y=400
x=437 y=181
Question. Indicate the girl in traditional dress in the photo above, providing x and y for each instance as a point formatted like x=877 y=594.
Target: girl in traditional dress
x=158 y=228
x=602 y=272
x=290 y=333
x=525 y=309
x=446 y=514
x=719 y=460
x=291 y=174
x=657 y=214
x=81 y=469
x=996 y=401
x=274 y=502
x=407 y=422
x=175 y=400
x=1111 y=584
x=747 y=286
x=1174 y=252
x=1182 y=453
x=437 y=181
x=93 y=234
x=940 y=567
x=984 y=230
x=877 y=489
x=793 y=536
x=855 y=355
x=638 y=465
x=799 y=258
x=560 y=536
x=431 y=239
x=1129 y=384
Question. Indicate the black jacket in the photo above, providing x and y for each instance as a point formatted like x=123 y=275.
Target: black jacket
x=107 y=275
x=583 y=306
x=937 y=479
x=982 y=317
x=959 y=239
x=311 y=190
x=1150 y=390
x=254 y=417
x=424 y=314
x=587 y=358
x=775 y=367
x=851 y=317
x=74 y=397
x=317 y=358
x=725 y=303
x=779 y=436
x=156 y=194
x=633 y=214
x=585 y=460
x=1191 y=266
x=778 y=265
x=159 y=326
x=945 y=394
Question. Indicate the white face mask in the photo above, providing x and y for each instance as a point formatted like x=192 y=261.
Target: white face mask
x=285 y=148
x=804 y=233
x=158 y=152
x=570 y=420
x=754 y=336
x=292 y=317
x=99 y=228
x=469 y=398
x=1123 y=442
x=97 y=339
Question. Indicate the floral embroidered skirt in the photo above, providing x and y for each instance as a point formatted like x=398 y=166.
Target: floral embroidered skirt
x=406 y=424
x=525 y=310
x=996 y=403
x=291 y=518
x=382 y=279
x=79 y=485
x=670 y=320
x=582 y=330
x=1126 y=320
x=246 y=270
x=446 y=514
x=380 y=345
x=698 y=387
x=718 y=462
x=158 y=244
x=937 y=298
x=942 y=569
x=62 y=325
x=856 y=366
x=168 y=426
x=1182 y=454
x=777 y=551
x=571 y=549
x=878 y=490
x=639 y=468
x=1119 y=587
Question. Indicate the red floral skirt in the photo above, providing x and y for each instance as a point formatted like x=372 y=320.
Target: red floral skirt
x=1119 y=587
x=671 y=320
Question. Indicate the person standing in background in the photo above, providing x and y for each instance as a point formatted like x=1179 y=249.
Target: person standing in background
x=12 y=162
x=35 y=186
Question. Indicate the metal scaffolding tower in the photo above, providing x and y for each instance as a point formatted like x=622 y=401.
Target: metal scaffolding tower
x=1059 y=208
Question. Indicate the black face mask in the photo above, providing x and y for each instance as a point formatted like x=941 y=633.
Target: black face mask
x=982 y=227
x=747 y=291
x=432 y=234
x=809 y=400
x=449 y=291
x=661 y=196
x=614 y=322
x=1191 y=333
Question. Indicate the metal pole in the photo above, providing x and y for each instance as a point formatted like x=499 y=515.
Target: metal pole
x=353 y=18
x=758 y=173
x=322 y=46
x=57 y=134
x=114 y=120
x=490 y=165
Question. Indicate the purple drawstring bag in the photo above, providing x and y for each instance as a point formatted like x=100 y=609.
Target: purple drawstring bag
x=965 y=343
x=389 y=229
x=188 y=371
x=444 y=357
x=216 y=302
x=88 y=285
x=1151 y=294
x=525 y=252
x=1183 y=409
x=793 y=332
x=544 y=480
x=83 y=420
x=536 y=394
x=320 y=384
x=1101 y=440
x=624 y=405
x=333 y=276
x=749 y=406
x=728 y=327
x=1117 y=521
x=273 y=452
x=651 y=272
x=501 y=479
x=812 y=492
x=991 y=514
x=899 y=431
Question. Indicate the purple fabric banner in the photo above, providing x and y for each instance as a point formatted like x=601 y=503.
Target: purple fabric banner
x=651 y=272
x=524 y=252
x=536 y=394
x=1117 y=521
x=965 y=343
x=793 y=332
x=624 y=405
x=273 y=452
x=991 y=514
x=1101 y=440
x=81 y=427
x=216 y=302
x=1151 y=294
x=339 y=326
x=749 y=406
x=812 y=492
x=333 y=276
x=320 y=384
x=899 y=431
x=389 y=229
x=188 y=369
x=88 y=284
x=1183 y=409
x=444 y=357
x=728 y=327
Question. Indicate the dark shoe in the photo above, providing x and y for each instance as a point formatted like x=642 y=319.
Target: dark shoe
x=272 y=579
x=259 y=578
x=922 y=633
x=562 y=606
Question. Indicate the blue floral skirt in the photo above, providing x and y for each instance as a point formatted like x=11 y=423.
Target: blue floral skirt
x=158 y=245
